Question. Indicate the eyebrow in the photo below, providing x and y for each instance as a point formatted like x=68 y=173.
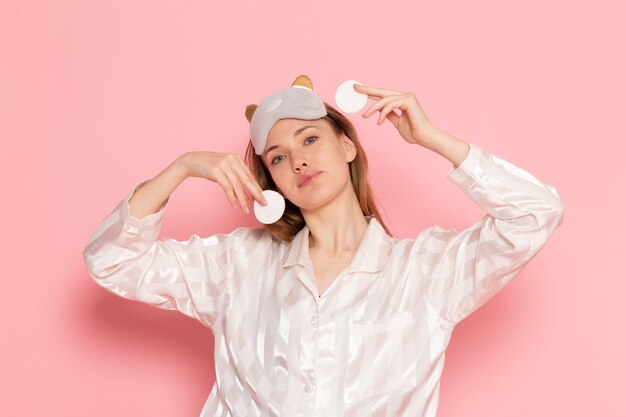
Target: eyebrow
x=297 y=132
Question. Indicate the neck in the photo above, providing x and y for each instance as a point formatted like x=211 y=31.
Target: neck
x=338 y=226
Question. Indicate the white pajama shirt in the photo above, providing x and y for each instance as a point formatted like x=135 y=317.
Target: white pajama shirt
x=373 y=343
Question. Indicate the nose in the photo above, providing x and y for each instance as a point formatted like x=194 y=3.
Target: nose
x=298 y=161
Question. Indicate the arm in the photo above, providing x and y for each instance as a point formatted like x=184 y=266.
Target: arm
x=464 y=269
x=124 y=256
x=461 y=271
x=446 y=145
x=152 y=195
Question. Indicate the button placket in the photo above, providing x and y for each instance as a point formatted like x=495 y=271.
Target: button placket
x=309 y=360
x=309 y=387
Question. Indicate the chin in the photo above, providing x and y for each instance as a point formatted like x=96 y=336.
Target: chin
x=312 y=204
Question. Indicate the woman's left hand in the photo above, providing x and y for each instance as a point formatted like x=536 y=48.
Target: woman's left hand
x=412 y=122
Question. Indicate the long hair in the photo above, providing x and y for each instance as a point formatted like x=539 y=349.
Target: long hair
x=292 y=220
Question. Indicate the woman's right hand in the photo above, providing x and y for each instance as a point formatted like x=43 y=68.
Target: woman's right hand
x=229 y=171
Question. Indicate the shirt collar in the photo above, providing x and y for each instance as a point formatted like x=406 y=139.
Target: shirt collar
x=370 y=256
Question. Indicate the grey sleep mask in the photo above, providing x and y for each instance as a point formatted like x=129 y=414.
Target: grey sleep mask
x=296 y=102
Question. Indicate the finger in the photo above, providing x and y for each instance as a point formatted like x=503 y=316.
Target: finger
x=376 y=92
x=393 y=117
x=251 y=183
x=388 y=109
x=228 y=189
x=252 y=186
x=238 y=190
x=378 y=105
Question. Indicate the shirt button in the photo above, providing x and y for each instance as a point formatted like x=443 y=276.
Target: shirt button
x=314 y=320
x=308 y=388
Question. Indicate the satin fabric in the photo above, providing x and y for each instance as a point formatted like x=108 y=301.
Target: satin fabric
x=373 y=343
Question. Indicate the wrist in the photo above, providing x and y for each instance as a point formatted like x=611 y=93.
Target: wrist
x=446 y=145
x=436 y=139
x=180 y=167
x=430 y=137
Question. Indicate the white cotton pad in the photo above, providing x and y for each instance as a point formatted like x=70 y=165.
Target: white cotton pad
x=274 y=209
x=348 y=100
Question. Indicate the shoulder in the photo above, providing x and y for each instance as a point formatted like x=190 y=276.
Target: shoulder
x=432 y=232
x=438 y=233
x=251 y=238
x=429 y=241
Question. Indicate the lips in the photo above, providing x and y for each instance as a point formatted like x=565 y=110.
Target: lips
x=307 y=178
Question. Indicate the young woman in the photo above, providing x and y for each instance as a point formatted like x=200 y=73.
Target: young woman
x=324 y=313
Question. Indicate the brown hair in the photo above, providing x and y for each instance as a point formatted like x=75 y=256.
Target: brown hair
x=292 y=220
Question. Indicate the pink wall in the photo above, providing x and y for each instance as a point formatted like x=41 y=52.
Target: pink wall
x=97 y=96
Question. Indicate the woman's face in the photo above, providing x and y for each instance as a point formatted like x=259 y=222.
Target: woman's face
x=308 y=161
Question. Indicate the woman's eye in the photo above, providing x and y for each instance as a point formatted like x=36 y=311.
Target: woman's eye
x=311 y=141
x=277 y=159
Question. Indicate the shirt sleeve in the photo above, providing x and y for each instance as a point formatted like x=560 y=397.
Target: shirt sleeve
x=124 y=256
x=465 y=269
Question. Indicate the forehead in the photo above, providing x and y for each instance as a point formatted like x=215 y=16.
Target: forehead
x=285 y=128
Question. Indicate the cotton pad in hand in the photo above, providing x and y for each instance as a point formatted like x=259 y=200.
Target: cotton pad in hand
x=348 y=100
x=274 y=209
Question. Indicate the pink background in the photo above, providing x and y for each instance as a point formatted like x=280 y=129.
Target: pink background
x=98 y=96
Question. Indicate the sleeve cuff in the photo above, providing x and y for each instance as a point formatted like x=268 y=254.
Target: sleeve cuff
x=133 y=224
x=470 y=169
